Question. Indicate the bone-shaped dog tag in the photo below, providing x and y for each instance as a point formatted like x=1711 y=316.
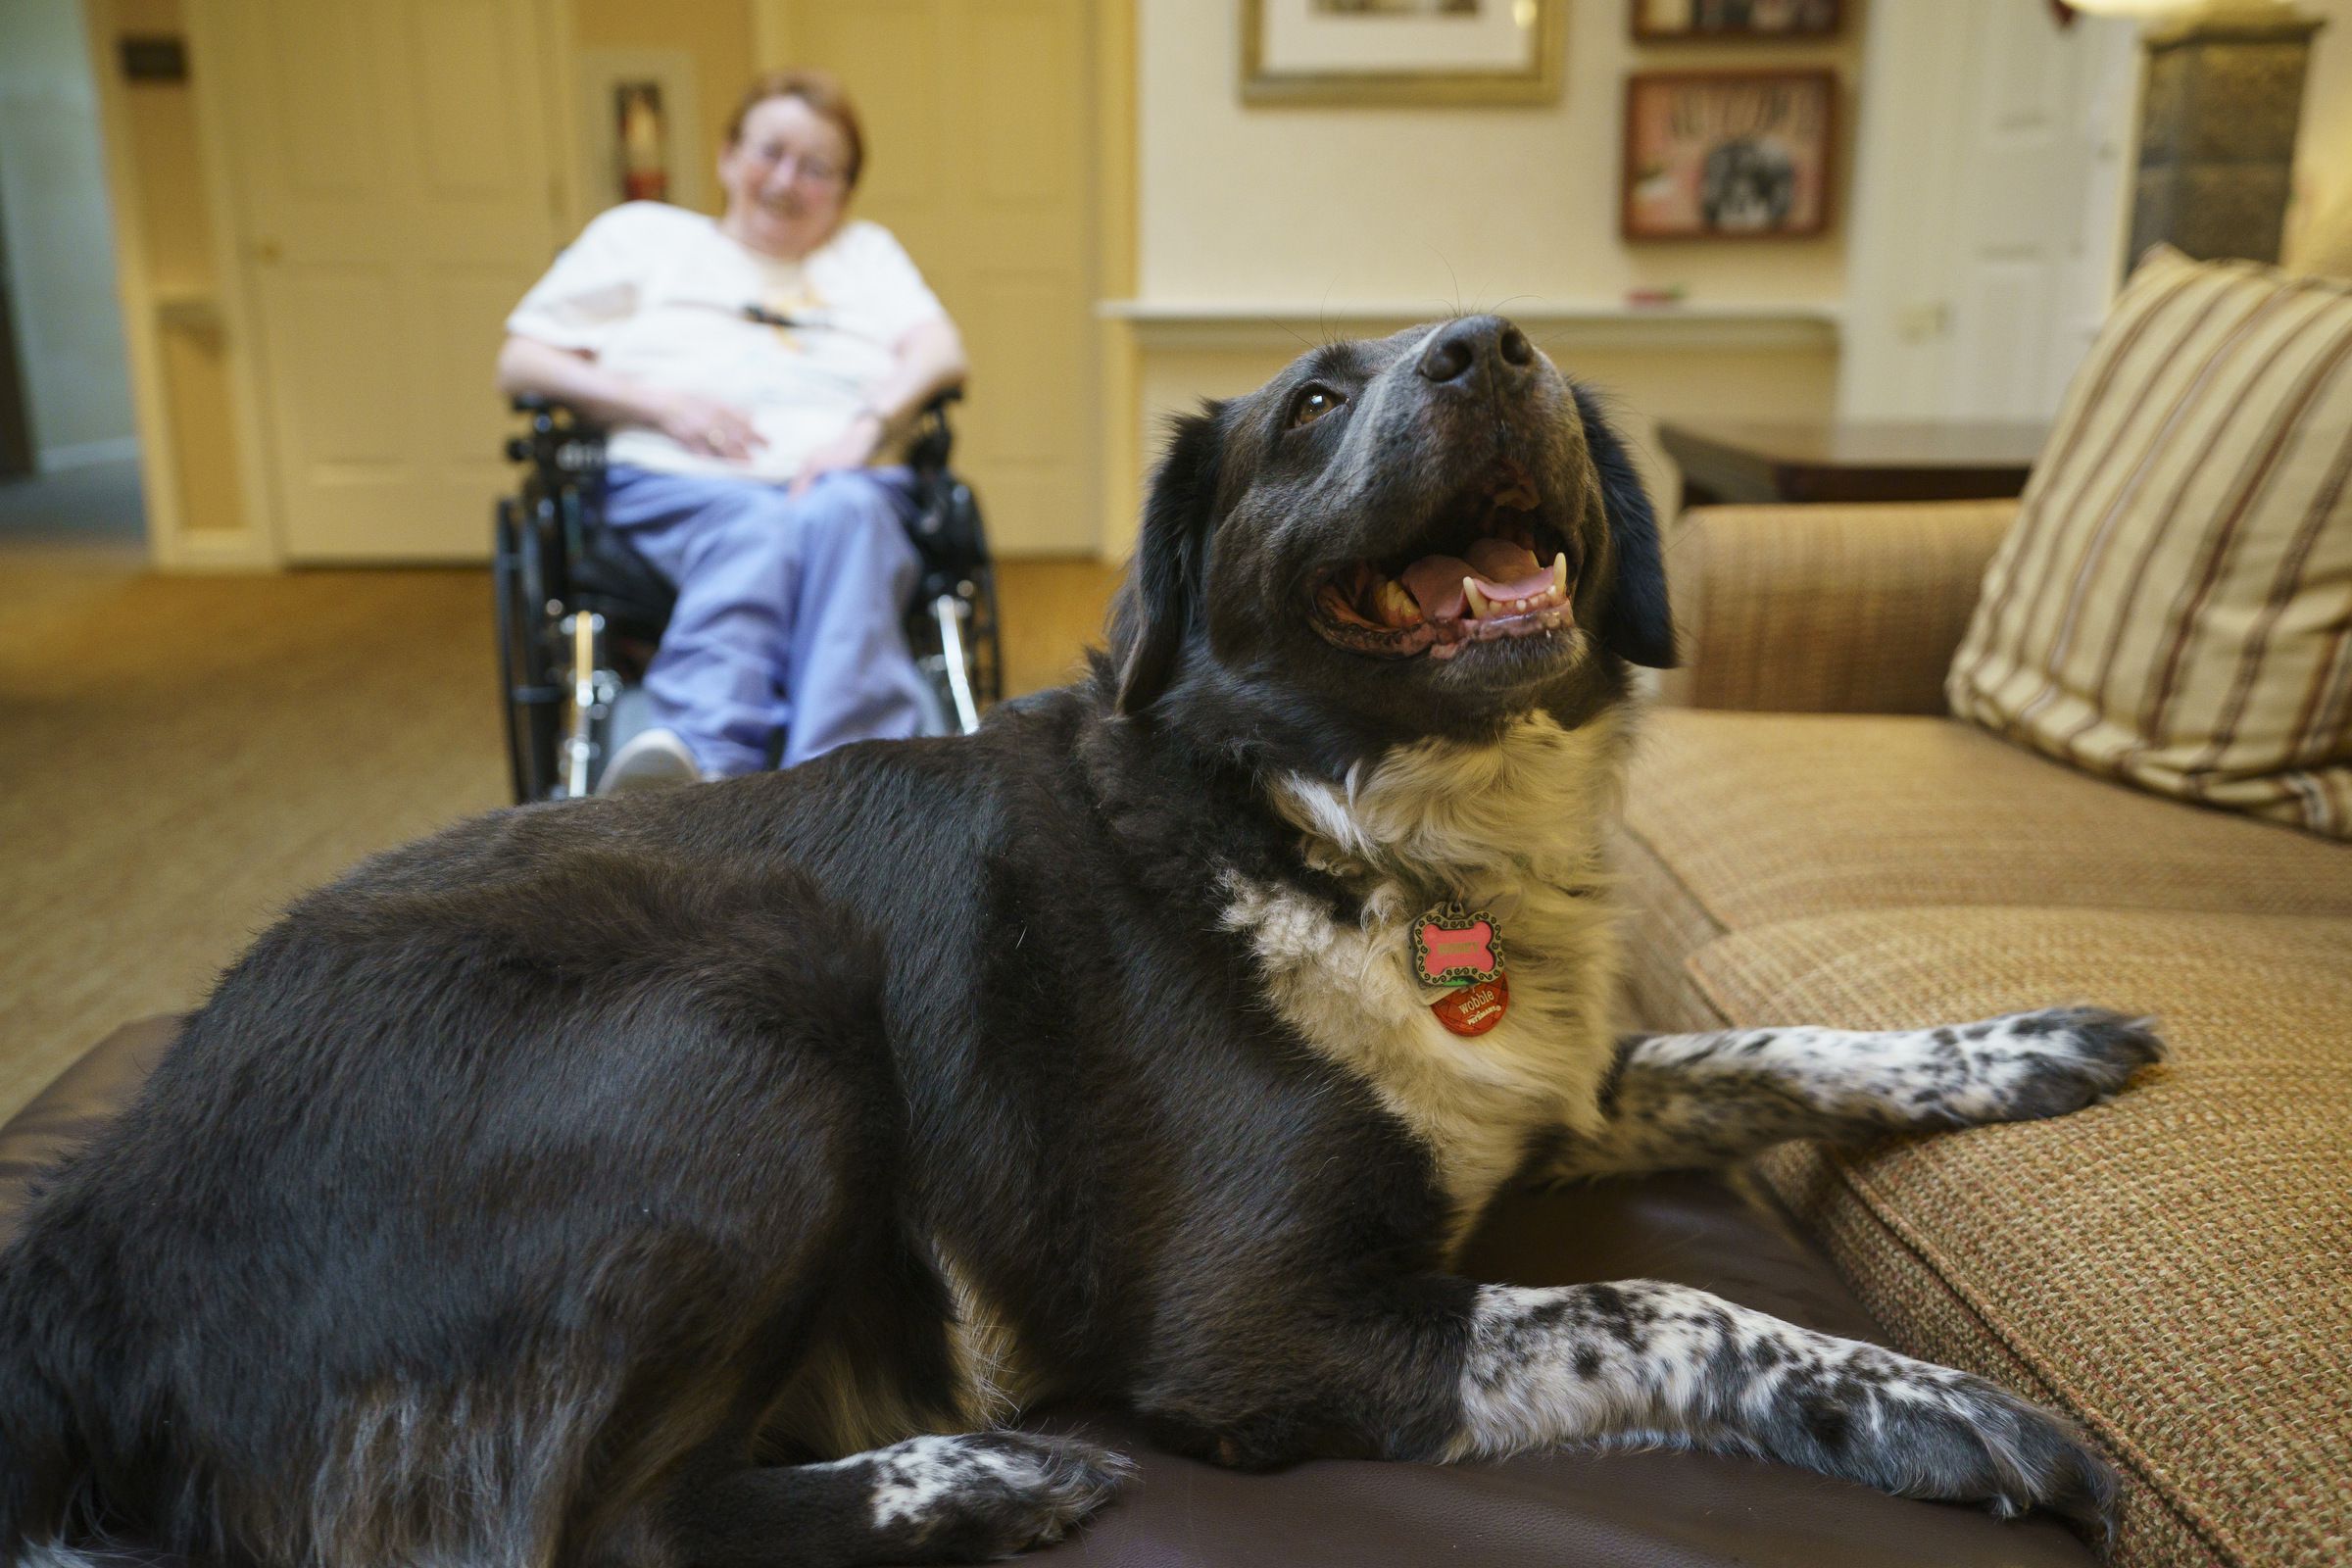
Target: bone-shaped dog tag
x=1454 y=949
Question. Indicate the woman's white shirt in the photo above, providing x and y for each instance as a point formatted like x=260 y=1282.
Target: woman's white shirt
x=659 y=294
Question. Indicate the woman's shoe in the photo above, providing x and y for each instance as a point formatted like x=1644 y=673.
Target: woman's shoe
x=651 y=760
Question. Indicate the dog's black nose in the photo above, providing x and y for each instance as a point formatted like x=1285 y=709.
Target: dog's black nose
x=1460 y=347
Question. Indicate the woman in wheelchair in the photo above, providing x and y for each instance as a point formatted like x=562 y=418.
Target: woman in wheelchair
x=753 y=369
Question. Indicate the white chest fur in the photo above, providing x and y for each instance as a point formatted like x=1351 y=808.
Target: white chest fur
x=1513 y=827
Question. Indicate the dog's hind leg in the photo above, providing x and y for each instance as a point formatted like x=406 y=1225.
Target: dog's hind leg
x=931 y=1499
x=1680 y=1100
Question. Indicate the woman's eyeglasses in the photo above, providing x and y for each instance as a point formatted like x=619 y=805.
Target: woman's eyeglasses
x=805 y=170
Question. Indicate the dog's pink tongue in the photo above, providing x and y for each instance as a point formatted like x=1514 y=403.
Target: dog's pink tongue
x=1504 y=571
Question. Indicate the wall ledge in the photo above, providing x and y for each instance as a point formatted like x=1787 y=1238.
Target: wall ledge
x=1258 y=323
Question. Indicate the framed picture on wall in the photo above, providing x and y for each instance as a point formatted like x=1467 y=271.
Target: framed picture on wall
x=640 y=127
x=1672 y=21
x=1397 y=52
x=1728 y=154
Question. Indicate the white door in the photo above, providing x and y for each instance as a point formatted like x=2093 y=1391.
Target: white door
x=1989 y=214
x=394 y=171
x=978 y=126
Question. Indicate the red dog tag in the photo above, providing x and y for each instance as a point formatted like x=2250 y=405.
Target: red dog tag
x=1474 y=1009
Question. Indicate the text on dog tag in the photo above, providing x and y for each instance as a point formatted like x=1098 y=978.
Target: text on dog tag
x=1475 y=1008
x=1454 y=949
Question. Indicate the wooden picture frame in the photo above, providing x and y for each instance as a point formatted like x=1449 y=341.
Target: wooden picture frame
x=1401 y=52
x=604 y=78
x=1735 y=20
x=1728 y=155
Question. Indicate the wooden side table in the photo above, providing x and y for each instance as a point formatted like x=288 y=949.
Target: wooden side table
x=1849 y=460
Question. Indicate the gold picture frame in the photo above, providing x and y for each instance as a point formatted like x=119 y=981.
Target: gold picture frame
x=1412 y=74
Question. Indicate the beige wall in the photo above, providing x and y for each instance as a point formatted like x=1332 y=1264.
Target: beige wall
x=1473 y=206
x=1328 y=210
x=1642 y=384
x=60 y=236
x=715 y=33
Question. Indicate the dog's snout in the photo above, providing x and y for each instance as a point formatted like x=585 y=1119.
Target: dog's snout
x=1461 y=346
x=1449 y=358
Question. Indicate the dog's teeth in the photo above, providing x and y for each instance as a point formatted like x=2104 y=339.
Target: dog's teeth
x=1395 y=606
x=1559 y=573
x=1479 y=606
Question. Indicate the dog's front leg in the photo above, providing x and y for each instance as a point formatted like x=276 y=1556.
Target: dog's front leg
x=1644 y=1362
x=1680 y=1100
x=1441 y=1369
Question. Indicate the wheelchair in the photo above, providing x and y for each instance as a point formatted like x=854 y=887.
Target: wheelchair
x=579 y=613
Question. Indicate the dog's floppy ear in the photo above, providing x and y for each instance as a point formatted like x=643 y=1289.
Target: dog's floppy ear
x=1163 y=604
x=1641 y=621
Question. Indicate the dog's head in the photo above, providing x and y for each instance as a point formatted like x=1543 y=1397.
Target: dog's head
x=1430 y=534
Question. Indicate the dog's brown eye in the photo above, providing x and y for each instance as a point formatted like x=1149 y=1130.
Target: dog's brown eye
x=1311 y=404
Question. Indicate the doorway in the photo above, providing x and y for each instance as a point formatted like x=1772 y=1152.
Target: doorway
x=1988 y=209
x=68 y=447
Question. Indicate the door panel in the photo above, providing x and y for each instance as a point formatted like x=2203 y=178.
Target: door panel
x=978 y=117
x=1988 y=206
x=331 y=414
x=395 y=179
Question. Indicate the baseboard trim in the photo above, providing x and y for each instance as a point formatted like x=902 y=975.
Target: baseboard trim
x=87 y=453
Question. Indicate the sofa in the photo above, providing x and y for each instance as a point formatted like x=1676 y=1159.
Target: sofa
x=1810 y=836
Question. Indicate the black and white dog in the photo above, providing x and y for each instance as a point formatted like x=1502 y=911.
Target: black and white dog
x=703 y=1178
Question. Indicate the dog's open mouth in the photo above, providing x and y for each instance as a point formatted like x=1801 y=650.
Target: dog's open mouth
x=1497 y=568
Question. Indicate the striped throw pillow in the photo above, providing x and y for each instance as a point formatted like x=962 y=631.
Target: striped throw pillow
x=2174 y=606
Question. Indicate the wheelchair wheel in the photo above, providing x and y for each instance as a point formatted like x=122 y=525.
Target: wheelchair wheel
x=951 y=631
x=987 y=648
x=532 y=701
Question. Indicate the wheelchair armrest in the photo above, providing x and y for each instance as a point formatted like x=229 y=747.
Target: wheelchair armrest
x=563 y=437
x=545 y=409
x=934 y=439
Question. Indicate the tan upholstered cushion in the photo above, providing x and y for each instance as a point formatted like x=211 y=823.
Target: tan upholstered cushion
x=1664 y=923
x=2175 y=604
x=1826 y=608
x=1765 y=817
x=2175 y=1266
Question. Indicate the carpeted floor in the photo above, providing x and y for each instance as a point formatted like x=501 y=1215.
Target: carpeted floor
x=181 y=756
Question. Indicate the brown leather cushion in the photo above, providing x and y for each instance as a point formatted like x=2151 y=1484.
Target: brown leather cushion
x=67 y=1112
x=1609 y=1510
x=1655 y=1510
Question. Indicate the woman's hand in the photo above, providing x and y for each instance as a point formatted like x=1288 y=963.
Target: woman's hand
x=708 y=427
x=849 y=450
